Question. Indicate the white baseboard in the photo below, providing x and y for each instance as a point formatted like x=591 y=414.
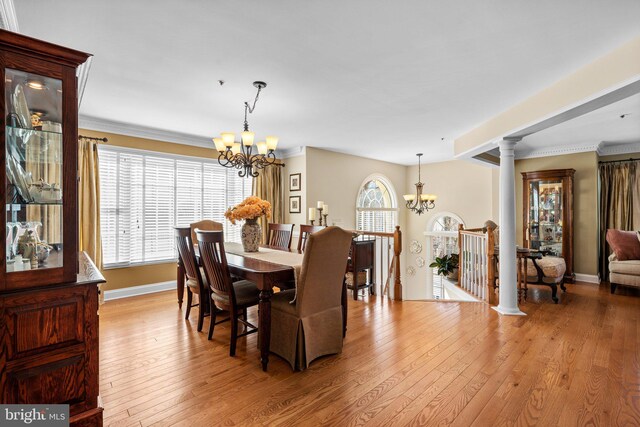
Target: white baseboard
x=588 y=278
x=139 y=290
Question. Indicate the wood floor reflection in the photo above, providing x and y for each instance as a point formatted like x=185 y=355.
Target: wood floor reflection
x=404 y=363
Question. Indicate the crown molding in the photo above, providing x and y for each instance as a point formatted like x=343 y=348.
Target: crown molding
x=8 y=18
x=291 y=152
x=558 y=151
x=128 y=129
x=613 y=149
x=83 y=74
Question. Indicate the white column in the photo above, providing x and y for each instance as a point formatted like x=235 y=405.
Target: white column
x=508 y=289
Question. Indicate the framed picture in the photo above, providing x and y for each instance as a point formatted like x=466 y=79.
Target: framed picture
x=294 y=204
x=295 y=183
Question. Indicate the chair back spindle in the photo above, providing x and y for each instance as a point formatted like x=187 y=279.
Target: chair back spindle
x=214 y=263
x=280 y=235
x=305 y=231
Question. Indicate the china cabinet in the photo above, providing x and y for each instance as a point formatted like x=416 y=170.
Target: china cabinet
x=48 y=292
x=548 y=214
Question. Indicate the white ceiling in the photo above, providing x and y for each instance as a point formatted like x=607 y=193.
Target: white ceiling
x=379 y=79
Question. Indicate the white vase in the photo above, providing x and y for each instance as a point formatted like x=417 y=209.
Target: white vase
x=251 y=235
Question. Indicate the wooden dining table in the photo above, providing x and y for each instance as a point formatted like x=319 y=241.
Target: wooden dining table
x=265 y=275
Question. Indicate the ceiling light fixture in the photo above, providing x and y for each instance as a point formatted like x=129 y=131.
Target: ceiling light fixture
x=240 y=155
x=419 y=202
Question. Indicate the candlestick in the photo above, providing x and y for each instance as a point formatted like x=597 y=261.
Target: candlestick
x=312 y=221
x=325 y=219
x=326 y=209
x=319 y=215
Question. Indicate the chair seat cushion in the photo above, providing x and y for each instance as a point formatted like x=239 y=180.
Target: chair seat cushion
x=247 y=293
x=193 y=284
x=625 y=267
x=551 y=266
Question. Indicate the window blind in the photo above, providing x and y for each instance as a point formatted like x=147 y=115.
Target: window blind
x=144 y=195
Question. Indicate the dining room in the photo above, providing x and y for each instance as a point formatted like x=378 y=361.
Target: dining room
x=326 y=213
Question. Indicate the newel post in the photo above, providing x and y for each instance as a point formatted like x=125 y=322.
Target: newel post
x=460 y=254
x=397 y=249
x=490 y=227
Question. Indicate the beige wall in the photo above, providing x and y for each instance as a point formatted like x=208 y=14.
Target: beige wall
x=585 y=204
x=462 y=188
x=336 y=178
x=118 y=278
x=292 y=165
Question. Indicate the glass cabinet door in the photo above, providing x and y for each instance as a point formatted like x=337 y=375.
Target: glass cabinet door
x=34 y=171
x=545 y=216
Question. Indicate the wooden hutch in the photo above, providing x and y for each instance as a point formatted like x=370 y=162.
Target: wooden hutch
x=48 y=292
x=547 y=222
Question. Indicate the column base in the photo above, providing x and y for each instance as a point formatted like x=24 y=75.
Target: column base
x=509 y=311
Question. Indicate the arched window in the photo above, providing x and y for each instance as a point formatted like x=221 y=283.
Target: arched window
x=376 y=208
x=442 y=239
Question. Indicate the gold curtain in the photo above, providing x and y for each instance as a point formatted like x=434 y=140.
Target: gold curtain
x=268 y=186
x=89 y=201
x=619 y=203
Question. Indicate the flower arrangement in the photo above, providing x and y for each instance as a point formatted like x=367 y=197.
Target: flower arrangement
x=250 y=208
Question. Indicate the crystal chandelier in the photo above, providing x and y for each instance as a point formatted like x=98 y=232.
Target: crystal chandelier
x=240 y=155
x=419 y=202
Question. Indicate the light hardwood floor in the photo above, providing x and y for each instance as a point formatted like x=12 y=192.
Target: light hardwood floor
x=403 y=363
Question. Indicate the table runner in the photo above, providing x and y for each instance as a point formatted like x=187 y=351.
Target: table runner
x=274 y=256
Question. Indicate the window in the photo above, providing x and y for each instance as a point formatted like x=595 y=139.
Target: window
x=442 y=239
x=143 y=195
x=376 y=206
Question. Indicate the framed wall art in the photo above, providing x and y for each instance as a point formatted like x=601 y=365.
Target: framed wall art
x=295 y=182
x=294 y=204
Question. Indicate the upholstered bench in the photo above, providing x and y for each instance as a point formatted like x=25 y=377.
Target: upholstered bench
x=548 y=270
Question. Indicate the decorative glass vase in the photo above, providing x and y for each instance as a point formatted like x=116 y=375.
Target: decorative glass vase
x=251 y=235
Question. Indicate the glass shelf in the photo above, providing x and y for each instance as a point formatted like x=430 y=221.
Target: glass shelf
x=34 y=171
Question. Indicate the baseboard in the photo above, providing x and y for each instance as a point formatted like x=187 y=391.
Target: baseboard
x=588 y=278
x=139 y=290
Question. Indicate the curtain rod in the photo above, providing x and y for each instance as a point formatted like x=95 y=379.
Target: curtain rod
x=93 y=138
x=630 y=159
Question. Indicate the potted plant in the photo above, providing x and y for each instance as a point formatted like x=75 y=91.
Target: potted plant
x=249 y=210
x=447 y=266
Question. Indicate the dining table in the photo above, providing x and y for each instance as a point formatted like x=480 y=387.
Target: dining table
x=262 y=269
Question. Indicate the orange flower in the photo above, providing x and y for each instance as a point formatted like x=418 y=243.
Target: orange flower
x=250 y=208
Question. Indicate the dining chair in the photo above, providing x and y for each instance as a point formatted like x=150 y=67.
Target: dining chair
x=234 y=297
x=308 y=322
x=205 y=224
x=305 y=230
x=196 y=283
x=280 y=235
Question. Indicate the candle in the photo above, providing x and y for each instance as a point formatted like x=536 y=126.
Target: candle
x=325 y=210
x=320 y=204
x=312 y=214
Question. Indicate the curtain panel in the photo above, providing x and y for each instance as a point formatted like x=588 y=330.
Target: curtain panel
x=89 y=201
x=268 y=186
x=619 y=204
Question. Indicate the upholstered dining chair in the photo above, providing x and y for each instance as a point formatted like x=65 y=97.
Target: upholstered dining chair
x=308 y=322
x=234 y=297
x=280 y=235
x=305 y=231
x=205 y=224
x=196 y=283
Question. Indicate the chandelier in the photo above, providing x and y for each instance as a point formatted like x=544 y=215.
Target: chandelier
x=240 y=155
x=419 y=202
